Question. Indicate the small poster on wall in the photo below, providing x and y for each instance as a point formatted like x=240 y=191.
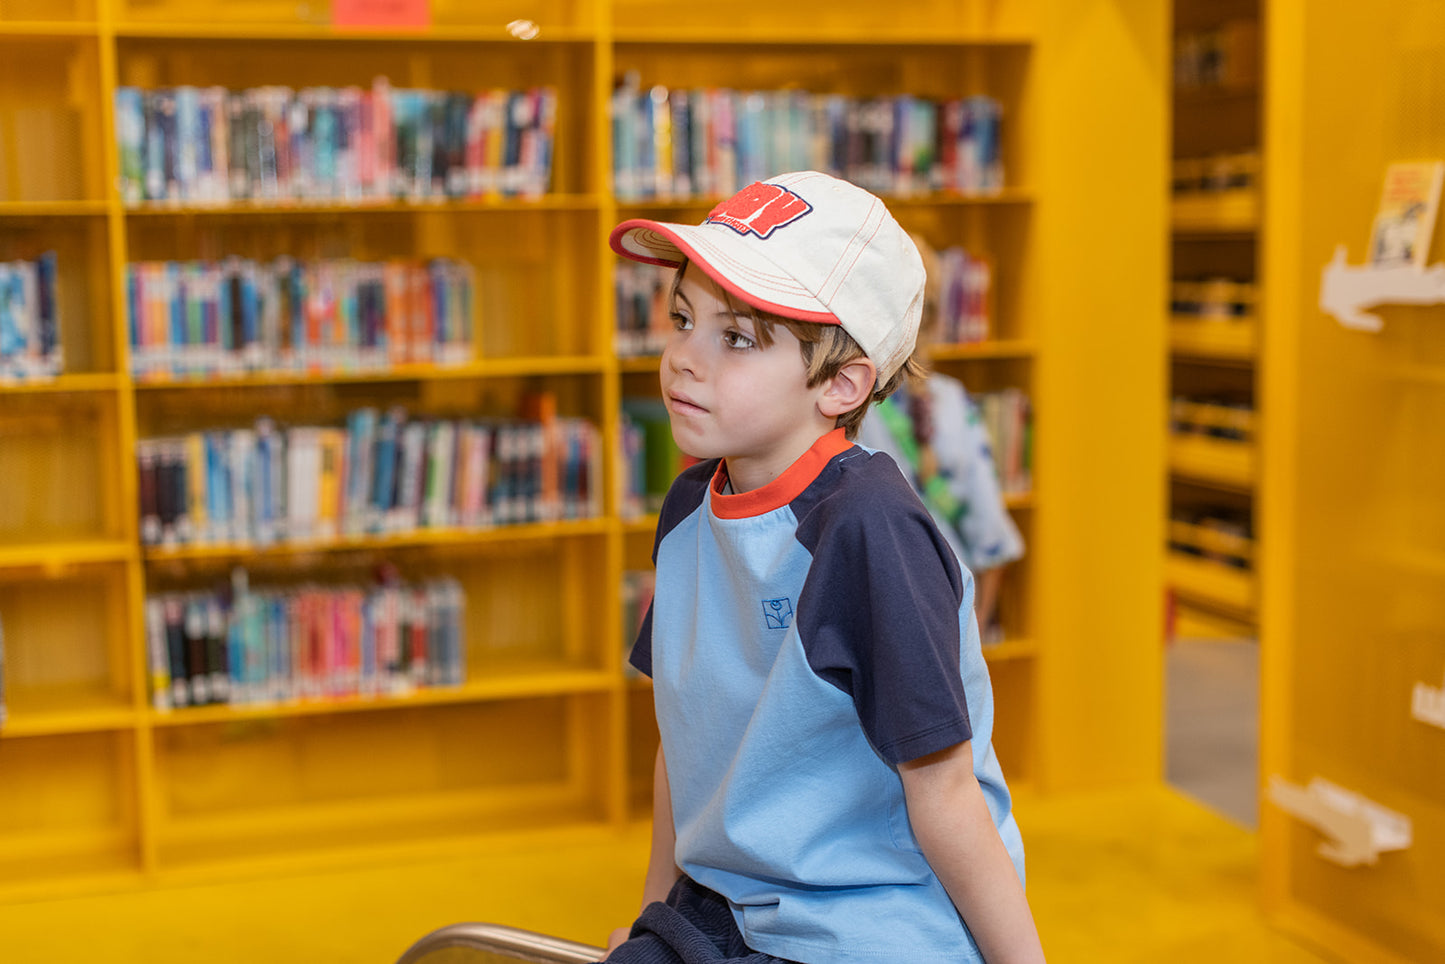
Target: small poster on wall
x=381 y=13
x=1405 y=221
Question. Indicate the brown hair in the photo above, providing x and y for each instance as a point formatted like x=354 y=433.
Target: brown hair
x=825 y=350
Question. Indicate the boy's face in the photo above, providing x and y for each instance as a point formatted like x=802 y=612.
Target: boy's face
x=729 y=397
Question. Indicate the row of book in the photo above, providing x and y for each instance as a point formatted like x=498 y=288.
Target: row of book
x=1217 y=533
x=1220 y=172
x=706 y=142
x=244 y=646
x=381 y=473
x=1215 y=416
x=650 y=459
x=964 y=302
x=1008 y=417
x=213 y=318
x=1221 y=298
x=30 y=345
x=209 y=145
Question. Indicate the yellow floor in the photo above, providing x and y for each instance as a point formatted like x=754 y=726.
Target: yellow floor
x=1122 y=876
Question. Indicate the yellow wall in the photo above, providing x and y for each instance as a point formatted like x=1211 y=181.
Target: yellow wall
x=1354 y=516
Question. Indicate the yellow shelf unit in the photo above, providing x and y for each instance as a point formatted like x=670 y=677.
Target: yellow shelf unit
x=1217 y=126
x=547 y=733
x=1232 y=341
x=1224 y=212
x=1217 y=461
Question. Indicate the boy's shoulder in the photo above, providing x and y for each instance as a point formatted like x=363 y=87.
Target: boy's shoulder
x=860 y=490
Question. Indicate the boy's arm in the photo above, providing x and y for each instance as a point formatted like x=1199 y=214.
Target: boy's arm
x=662 y=870
x=951 y=820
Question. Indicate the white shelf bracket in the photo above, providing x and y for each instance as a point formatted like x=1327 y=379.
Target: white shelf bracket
x=1427 y=704
x=1346 y=290
x=1357 y=830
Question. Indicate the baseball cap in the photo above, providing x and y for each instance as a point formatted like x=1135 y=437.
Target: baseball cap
x=805 y=246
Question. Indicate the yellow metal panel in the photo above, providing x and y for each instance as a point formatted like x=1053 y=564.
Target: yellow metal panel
x=1354 y=594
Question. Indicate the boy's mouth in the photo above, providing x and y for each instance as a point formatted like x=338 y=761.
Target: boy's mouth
x=683 y=405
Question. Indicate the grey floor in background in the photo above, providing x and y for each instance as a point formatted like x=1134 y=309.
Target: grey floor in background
x=1212 y=725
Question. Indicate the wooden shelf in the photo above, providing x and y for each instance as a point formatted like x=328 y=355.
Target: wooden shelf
x=992 y=348
x=319 y=32
x=1010 y=650
x=1222 y=340
x=84 y=382
x=1211 y=583
x=514 y=684
x=360 y=206
x=32 y=209
x=1215 y=461
x=539 y=531
x=56 y=710
x=1222 y=212
x=489 y=368
x=48 y=28
x=58 y=556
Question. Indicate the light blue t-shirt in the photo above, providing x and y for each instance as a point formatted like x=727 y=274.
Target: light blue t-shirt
x=804 y=639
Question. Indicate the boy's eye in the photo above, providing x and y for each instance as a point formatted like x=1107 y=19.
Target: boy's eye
x=680 y=321
x=736 y=339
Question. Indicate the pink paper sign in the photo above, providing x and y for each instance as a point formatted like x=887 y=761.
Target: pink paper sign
x=381 y=13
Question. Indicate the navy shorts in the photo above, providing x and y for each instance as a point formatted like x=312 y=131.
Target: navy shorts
x=695 y=926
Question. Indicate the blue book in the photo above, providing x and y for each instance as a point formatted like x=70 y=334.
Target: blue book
x=130 y=131
x=383 y=493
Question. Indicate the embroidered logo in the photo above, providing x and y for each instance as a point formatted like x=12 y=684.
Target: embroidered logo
x=759 y=209
x=778 y=612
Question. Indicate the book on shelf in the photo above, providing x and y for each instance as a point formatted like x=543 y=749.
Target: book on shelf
x=381 y=473
x=209 y=145
x=30 y=345
x=650 y=458
x=637 y=589
x=244 y=645
x=236 y=316
x=1404 y=223
x=1008 y=418
x=705 y=142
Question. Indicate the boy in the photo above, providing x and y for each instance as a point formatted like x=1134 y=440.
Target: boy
x=825 y=790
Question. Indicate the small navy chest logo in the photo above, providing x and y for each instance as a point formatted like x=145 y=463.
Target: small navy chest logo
x=778 y=612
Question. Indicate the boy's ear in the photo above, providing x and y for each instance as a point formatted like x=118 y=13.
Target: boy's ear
x=848 y=389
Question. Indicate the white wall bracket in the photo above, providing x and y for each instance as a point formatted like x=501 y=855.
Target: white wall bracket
x=1346 y=290
x=1357 y=830
x=1427 y=704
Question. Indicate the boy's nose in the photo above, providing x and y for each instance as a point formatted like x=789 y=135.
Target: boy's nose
x=678 y=356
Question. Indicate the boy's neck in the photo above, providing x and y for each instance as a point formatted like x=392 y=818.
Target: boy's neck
x=780 y=488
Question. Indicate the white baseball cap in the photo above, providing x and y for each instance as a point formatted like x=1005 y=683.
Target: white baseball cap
x=805 y=246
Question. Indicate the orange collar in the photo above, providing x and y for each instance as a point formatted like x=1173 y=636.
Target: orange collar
x=782 y=490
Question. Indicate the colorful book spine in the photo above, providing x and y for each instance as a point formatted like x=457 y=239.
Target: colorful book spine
x=236 y=316
x=708 y=142
x=257 y=645
x=30 y=339
x=380 y=473
x=203 y=146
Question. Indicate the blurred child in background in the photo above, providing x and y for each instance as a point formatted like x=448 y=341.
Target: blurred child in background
x=934 y=432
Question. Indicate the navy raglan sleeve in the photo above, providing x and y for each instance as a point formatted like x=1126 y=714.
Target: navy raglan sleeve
x=880 y=610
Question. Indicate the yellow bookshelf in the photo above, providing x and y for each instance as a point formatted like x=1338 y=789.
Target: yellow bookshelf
x=548 y=732
x=1214 y=355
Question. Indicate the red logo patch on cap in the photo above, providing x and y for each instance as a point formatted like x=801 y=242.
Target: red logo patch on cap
x=759 y=209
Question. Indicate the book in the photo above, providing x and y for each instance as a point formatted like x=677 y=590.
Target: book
x=1405 y=221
